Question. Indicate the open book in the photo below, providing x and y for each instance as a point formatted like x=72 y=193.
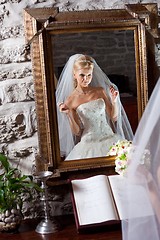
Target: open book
x=99 y=200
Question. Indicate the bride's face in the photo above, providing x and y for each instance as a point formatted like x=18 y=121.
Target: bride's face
x=83 y=76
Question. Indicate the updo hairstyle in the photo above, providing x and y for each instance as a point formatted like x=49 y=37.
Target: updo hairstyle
x=81 y=62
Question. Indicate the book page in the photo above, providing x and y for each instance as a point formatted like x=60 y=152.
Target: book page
x=93 y=199
x=121 y=189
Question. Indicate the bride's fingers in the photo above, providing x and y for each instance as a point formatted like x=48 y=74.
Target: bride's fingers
x=114 y=92
x=63 y=108
x=59 y=104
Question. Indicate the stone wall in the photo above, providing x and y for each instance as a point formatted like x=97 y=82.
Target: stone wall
x=18 y=126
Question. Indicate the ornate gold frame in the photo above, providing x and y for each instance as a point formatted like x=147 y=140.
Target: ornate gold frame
x=40 y=24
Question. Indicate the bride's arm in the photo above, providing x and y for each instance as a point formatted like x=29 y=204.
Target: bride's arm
x=112 y=106
x=74 y=122
x=73 y=118
x=115 y=110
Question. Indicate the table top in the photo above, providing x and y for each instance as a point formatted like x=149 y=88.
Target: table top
x=67 y=231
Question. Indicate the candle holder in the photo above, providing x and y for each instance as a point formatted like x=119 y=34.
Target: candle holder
x=46 y=225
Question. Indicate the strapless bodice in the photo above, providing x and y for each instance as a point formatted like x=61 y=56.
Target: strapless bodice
x=97 y=136
x=93 y=116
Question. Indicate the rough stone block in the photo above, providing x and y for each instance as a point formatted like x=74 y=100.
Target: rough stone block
x=17 y=121
x=13 y=90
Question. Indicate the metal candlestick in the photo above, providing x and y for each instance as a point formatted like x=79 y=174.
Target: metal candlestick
x=46 y=225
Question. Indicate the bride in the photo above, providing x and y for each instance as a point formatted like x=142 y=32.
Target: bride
x=90 y=115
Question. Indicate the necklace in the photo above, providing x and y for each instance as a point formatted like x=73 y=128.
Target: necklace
x=82 y=92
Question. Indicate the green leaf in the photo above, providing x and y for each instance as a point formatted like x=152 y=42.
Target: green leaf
x=5 y=163
x=13 y=185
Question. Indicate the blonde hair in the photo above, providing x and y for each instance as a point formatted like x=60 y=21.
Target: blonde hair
x=83 y=61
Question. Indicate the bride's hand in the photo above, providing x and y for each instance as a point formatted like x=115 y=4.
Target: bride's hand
x=63 y=108
x=114 y=94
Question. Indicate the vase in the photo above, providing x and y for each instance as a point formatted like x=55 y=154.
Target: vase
x=10 y=220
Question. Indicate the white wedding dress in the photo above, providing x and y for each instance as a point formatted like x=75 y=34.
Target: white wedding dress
x=97 y=136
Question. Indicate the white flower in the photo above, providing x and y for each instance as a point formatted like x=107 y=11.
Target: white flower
x=120 y=150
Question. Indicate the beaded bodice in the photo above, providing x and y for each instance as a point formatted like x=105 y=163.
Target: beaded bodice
x=93 y=116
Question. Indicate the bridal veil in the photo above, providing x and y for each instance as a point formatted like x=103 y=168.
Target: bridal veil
x=145 y=174
x=65 y=87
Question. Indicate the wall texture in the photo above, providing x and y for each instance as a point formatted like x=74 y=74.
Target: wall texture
x=18 y=127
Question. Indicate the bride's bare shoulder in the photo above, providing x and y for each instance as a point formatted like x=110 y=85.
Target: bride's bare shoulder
x=99 y=89
x=71 y=99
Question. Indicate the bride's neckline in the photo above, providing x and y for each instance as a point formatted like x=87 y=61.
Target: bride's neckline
x=97 y=99
x=81 y=92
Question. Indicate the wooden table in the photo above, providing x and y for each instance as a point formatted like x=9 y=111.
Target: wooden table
x=67 y=232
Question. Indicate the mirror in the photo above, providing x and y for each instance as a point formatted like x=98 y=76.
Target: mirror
x=54 y=36
x=114 y=51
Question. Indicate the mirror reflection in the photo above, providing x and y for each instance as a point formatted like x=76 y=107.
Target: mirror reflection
x=90 y=121
x=122 y=43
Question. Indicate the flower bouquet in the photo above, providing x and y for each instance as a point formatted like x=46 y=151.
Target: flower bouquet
x=120 y=149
